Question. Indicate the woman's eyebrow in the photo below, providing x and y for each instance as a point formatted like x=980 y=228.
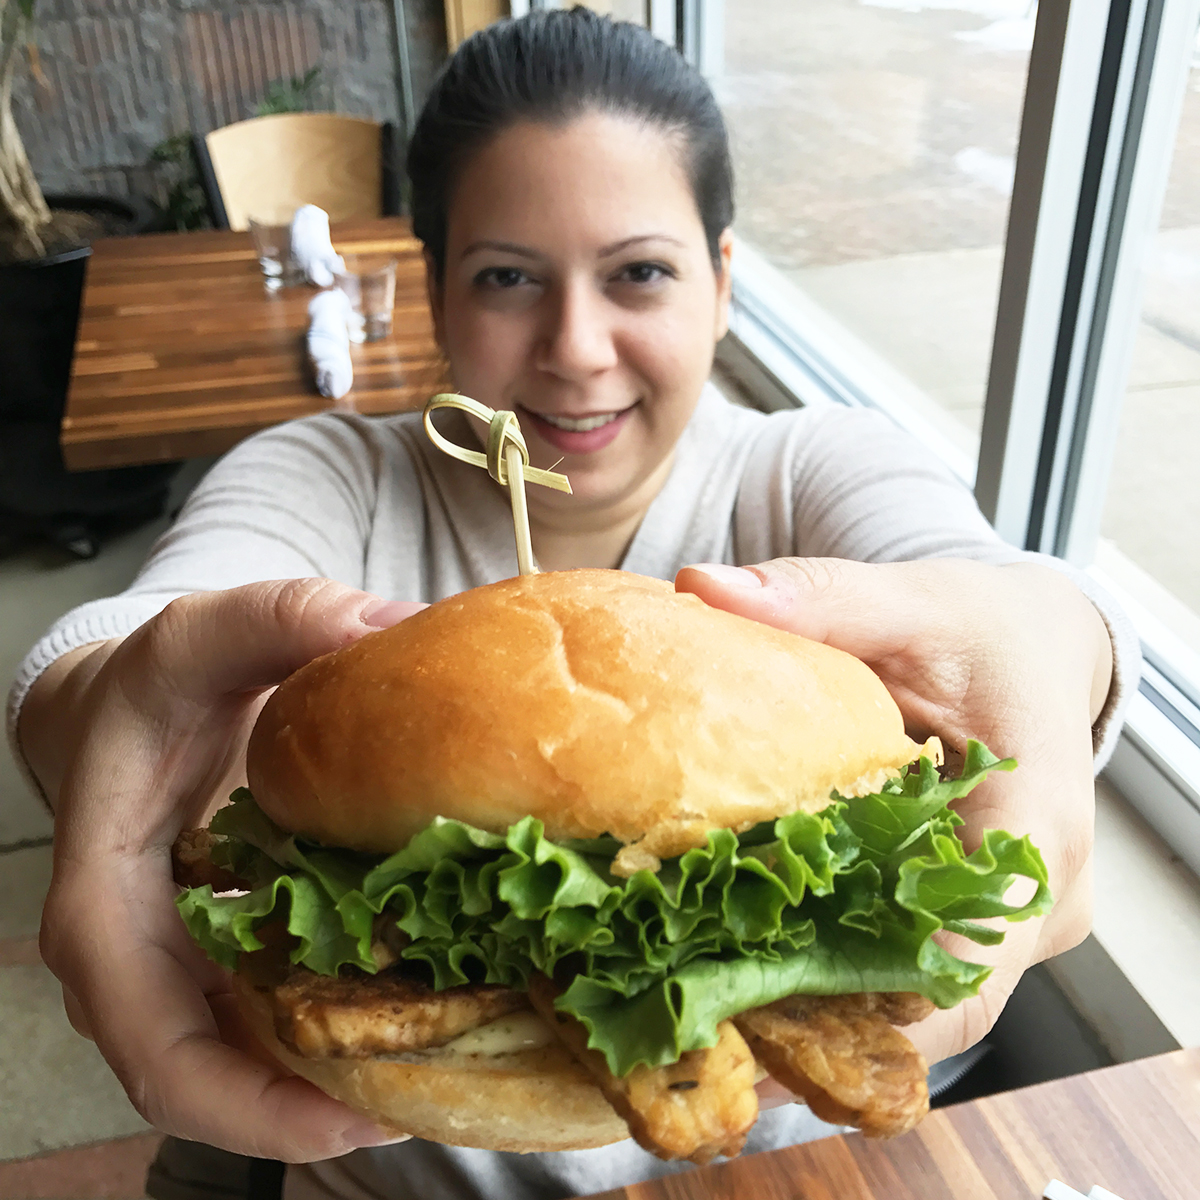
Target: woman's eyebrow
x=605 y=251
x=504 y=247
x=625 y=243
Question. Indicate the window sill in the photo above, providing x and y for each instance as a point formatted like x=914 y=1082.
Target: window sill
x=1136 y=980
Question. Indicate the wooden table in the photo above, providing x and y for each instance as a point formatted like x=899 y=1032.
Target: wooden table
x=182 y=352
x=1133 y=1129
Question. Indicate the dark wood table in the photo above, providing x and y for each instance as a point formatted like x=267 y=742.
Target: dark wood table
x=181 y=351
x=1133 y=1129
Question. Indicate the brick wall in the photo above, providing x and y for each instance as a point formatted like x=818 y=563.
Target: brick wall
x=123 y=75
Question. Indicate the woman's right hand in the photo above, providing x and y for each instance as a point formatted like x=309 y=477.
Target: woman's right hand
x=135 y=741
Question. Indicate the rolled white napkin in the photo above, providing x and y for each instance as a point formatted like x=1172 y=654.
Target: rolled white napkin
x=328 y=342
x=311 y=248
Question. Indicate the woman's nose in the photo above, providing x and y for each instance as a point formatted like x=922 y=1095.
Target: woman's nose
x=578 y=341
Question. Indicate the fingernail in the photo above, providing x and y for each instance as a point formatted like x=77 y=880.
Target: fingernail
x=737 y=577
x=385 y=613
x=367 y=1133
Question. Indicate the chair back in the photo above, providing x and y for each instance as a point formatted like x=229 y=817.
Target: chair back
x=267 y=167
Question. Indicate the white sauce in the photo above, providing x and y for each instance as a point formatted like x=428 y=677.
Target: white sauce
x=507 y=1035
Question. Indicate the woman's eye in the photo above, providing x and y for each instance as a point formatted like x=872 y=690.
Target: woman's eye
x=501 y=277
x=644 y=273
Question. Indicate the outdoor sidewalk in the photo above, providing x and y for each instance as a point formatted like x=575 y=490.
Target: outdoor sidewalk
x=930 y=316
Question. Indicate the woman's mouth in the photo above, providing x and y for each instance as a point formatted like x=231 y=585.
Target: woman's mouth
x=584 y=433
x=579 y=424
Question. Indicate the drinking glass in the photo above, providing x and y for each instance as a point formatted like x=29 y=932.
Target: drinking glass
x=370 y=286
x=273 y=241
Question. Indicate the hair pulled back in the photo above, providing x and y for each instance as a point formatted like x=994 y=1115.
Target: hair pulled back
x=551 y=67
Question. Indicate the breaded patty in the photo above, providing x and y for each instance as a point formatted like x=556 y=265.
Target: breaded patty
x=360 y=1016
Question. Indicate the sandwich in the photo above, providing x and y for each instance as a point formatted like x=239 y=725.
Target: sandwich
x=573 y=857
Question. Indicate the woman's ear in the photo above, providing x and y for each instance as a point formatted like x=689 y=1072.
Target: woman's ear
x=724 y=283
x=436 y=294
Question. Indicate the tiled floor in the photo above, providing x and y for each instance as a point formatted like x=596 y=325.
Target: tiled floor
x=113 y=1170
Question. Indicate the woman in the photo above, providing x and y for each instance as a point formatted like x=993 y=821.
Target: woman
x=571 y=185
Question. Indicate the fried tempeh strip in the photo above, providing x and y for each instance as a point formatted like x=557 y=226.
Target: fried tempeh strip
x=699 y=1107
x=898 y=1008
x=844 y=1058
x=192 y=865
x=359 y=1016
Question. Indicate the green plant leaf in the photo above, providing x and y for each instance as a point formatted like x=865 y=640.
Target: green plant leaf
x=289 y=95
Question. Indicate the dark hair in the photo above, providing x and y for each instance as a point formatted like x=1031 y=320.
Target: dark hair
x=551 y=67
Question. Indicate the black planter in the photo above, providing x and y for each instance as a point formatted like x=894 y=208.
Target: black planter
x=39 y=315
x=39 y=311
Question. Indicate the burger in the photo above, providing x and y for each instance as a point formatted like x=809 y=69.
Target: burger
x=572 y=857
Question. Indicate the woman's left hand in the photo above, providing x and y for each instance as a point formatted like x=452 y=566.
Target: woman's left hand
x=1015 y=657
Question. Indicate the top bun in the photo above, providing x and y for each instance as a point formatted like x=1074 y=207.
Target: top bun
x=596 y=701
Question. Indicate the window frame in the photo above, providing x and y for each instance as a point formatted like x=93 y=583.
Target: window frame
x=1098 y=132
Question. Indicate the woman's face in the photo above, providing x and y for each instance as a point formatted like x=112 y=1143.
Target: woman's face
x=579 y=292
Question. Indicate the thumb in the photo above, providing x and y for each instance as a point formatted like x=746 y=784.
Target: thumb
x=868 y=610
x=211 y=644
x=168 y=713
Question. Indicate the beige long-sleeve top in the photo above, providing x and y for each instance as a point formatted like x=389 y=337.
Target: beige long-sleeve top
x=373 y=504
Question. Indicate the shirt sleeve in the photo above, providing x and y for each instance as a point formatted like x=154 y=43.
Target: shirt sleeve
x=847 y=483
x=294 y=501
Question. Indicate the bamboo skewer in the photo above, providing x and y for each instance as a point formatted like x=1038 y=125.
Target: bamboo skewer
x=506 y=461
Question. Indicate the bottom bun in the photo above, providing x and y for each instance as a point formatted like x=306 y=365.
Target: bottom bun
x=532 y=1101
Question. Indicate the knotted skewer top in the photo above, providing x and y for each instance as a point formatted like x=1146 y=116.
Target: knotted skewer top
x=506 y=460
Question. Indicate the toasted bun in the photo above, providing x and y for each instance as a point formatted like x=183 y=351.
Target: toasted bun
x=596 y=701
x=537 y=1100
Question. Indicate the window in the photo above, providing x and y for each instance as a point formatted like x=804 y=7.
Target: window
x=874 y=148
x=1150 y=524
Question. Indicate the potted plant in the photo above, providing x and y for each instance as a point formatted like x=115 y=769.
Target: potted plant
x=43 y=252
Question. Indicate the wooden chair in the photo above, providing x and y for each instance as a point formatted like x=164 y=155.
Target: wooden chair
x=267 y=167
